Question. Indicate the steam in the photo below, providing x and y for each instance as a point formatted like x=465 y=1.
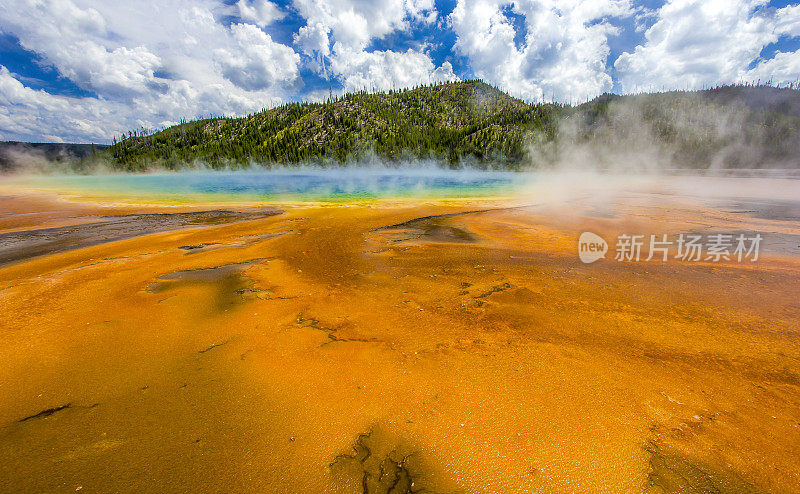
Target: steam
x=18 y=159
x=732 y=129
x=21 y=158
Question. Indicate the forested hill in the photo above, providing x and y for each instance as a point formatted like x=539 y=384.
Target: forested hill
x=446 y=122
x=474 y=123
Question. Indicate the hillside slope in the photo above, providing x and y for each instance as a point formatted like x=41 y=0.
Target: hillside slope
x=472 y=122
x=441 y=122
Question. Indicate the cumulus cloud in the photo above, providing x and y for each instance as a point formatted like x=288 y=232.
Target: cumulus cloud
x=313 y=39
x=262 y=13
x=257 y=62
x=563 y=52
x=73 y=39
x=696 y=42
x=150 y=63
x=384 y=70
x=783 y=68
x=354 y=23
x=36 y=115
x=787 y=20
x=338 y=33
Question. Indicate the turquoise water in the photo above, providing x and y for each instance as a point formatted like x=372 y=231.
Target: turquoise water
x=309 y=185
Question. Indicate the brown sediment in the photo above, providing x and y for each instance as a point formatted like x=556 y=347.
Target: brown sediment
x=323 y=355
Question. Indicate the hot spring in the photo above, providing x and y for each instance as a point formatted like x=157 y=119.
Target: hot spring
x=285 y=184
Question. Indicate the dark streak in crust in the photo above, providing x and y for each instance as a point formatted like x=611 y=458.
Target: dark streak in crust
x=310 y=322
x=50 y=411
x=387 y=473
x=416 y=222
x=22 y=245
x=46 y=413
x=436 y=228
x=198 y=246
x=334 y=339
x=215 y=345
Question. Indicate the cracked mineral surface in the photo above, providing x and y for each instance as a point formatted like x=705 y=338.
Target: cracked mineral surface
x=416 y=346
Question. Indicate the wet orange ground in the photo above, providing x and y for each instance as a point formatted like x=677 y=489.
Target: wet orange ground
x=463 y=353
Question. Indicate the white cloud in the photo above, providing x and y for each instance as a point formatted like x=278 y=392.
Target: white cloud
x=384 y=70
x=783 y=68
x=787 y=21
x=257 y=62
x=563 y=53
x=701 y=42
x=151 y=62
x=262 y=13
x=35 y=115
x=422 y=11
x=313 y=39
x=354 y=23
x=72 y=39
x=338 y=33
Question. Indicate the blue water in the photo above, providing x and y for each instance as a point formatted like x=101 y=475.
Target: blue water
x=298 y=184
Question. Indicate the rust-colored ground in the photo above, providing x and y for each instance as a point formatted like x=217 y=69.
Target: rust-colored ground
x=316 y=350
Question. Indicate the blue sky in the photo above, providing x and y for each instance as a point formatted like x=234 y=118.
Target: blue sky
x=84 y=71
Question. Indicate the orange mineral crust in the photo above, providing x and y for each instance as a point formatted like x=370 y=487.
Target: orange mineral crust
x=414 y=346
